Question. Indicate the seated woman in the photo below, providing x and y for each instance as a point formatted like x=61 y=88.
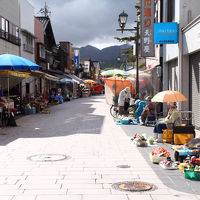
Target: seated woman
x=173 y=118
x=149 y=110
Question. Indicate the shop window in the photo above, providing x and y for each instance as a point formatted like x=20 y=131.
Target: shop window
x=170 y=10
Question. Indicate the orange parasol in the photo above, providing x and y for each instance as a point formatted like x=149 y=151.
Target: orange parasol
x=169 y=96
x=90 y=81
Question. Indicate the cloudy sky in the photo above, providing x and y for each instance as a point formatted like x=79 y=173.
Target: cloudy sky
x=88 y=22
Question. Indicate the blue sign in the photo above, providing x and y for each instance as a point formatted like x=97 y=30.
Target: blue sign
x=166 y=33
x=76 y=59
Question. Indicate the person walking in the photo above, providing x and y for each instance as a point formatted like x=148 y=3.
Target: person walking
x=123 y=101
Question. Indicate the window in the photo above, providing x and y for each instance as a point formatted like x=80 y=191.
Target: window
x=170 y=10
x=41 y=51
x=4 y=27
x=9 y=31
x=28 y=43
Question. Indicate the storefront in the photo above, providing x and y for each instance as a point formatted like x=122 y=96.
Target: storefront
x=194 y=63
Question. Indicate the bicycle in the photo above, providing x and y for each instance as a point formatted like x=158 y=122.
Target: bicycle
x=114 y=110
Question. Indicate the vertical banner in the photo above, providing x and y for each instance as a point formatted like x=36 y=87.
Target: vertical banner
x=147 y=28
x=76 y=58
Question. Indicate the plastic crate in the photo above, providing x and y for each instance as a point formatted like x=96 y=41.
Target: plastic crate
x=167 y=136
x=192 y=174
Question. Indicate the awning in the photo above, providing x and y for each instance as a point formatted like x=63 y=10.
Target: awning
x=63 y=78
x=15 y=73
x=8 y=79
x=45 y=75
x=75 y=78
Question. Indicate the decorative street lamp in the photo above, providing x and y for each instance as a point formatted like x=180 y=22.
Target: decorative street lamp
x=122 y=22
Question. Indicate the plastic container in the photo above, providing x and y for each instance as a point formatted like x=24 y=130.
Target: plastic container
x=192 y=174
x=33 y=110
x=122 y=121
x=167 y=136
x=160 y=138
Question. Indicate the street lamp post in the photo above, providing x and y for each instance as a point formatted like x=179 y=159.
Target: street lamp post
x=122 y=22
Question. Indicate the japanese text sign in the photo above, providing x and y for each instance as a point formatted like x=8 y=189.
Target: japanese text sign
x=76 y=58
x=166 y=33
x=147 y=28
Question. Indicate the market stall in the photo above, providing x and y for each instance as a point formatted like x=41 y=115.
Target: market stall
x=113 y=87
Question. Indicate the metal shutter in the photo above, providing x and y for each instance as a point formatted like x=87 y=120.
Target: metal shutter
x=172 y=74
x=195 y=87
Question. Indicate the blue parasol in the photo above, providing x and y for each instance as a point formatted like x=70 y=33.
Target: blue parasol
x=17 y=63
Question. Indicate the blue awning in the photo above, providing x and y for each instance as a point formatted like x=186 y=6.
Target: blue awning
x=66 y=80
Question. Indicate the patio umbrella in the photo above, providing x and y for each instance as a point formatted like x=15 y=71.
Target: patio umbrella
x=90 y=81
x=17 y=63
x=169 y=96
x=115 y=72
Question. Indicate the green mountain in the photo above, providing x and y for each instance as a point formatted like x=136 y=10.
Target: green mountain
x=107 y=56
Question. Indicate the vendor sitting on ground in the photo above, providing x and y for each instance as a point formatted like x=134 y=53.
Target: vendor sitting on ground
x=173 y=119
x=140 y=107
x=149 y=110
x=123 y=101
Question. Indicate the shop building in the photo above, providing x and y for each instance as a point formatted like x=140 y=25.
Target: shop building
x=9 y=27
x=27 y=43
x=181 y=61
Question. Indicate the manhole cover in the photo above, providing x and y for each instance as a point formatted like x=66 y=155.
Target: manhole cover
x=132 y=186
x=123 y=166
x=48 y=157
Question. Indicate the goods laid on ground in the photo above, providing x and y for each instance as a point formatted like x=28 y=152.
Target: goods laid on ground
x=159 y=154
x=139 y=140
x=182 y=151
x=45 y=112
x=169 y=164
x=194 y=143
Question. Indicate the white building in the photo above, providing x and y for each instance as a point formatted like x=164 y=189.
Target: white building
x=181 y=67
x=9 y=27
x=27 y=42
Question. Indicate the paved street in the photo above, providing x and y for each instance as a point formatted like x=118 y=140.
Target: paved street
x=84 y=131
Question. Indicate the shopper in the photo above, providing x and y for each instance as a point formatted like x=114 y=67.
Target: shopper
x=123 y=101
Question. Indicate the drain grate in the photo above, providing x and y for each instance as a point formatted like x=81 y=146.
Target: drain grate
x=133 y=186
x=123 y=166
x=48 y=157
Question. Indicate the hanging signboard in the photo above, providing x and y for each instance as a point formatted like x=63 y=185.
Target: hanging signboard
x=147 y=28
x=166 y=33
x=76 y=58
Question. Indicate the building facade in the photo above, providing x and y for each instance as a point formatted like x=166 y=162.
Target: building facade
x=181 y=67
x=27 y=42
x=9 y=27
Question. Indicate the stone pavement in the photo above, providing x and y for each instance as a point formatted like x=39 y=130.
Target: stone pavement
x=84 y=130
